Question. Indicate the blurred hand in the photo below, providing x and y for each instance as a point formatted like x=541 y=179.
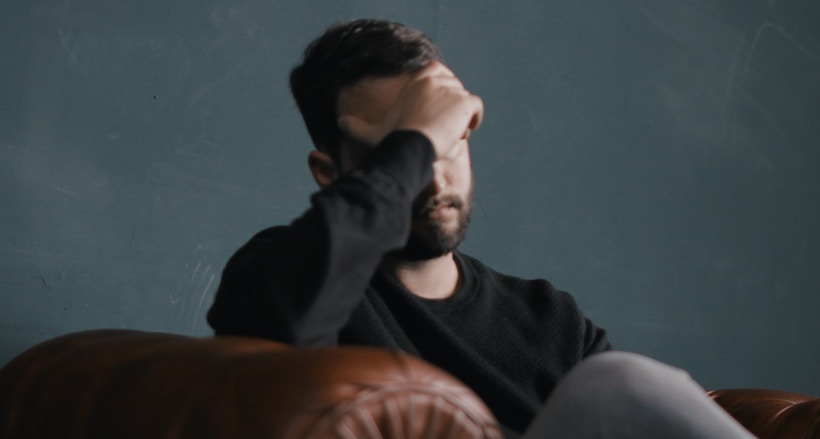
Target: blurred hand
x=433 y=102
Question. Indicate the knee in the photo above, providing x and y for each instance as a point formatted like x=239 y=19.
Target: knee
x=618 y=394
x=624 y=376
x=629 y=366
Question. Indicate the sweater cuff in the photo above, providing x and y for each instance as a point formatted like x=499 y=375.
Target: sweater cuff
x=405 y=155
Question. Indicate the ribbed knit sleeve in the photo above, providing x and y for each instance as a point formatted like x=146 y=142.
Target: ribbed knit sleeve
x=300 y=283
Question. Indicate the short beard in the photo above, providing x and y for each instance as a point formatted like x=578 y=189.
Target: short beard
x=428 y=239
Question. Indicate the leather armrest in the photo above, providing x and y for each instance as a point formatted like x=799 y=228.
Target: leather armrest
x=772 y=414
x=133 y=384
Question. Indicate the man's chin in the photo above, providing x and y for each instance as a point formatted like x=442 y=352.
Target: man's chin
x=437 y=243
x=436 y=233
x=416 y=253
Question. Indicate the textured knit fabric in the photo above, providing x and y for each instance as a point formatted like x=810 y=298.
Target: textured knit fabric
x=316 y=282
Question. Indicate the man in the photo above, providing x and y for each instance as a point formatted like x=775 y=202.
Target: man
x=375 y=260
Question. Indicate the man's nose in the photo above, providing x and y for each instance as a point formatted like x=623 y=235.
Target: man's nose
x=440 y=176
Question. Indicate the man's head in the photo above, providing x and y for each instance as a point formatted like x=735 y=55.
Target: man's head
x=345 y=54
x=360 y=69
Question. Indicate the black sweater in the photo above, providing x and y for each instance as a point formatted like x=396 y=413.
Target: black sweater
x=316 y=282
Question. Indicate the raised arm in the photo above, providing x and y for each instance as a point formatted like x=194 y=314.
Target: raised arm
x=300 y=283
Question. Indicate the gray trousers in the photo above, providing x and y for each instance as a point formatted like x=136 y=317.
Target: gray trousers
x=619 y=395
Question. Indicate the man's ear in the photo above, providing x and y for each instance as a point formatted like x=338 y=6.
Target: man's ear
x=322 y=168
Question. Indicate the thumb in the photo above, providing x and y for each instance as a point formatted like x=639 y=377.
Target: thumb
x=360 y=130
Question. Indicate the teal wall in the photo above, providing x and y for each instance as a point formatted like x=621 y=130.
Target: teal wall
x=658 y=159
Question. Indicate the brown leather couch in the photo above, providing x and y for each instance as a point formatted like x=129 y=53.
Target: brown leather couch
x=133 y=384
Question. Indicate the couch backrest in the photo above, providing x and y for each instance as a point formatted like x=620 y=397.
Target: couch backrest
x=131 y=384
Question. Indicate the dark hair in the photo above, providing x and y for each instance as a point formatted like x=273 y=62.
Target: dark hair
x=346 y=53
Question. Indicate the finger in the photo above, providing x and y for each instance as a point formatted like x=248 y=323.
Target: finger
x=435 y=68
x=360 y=130
x=445 y=81
x=438 y=74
